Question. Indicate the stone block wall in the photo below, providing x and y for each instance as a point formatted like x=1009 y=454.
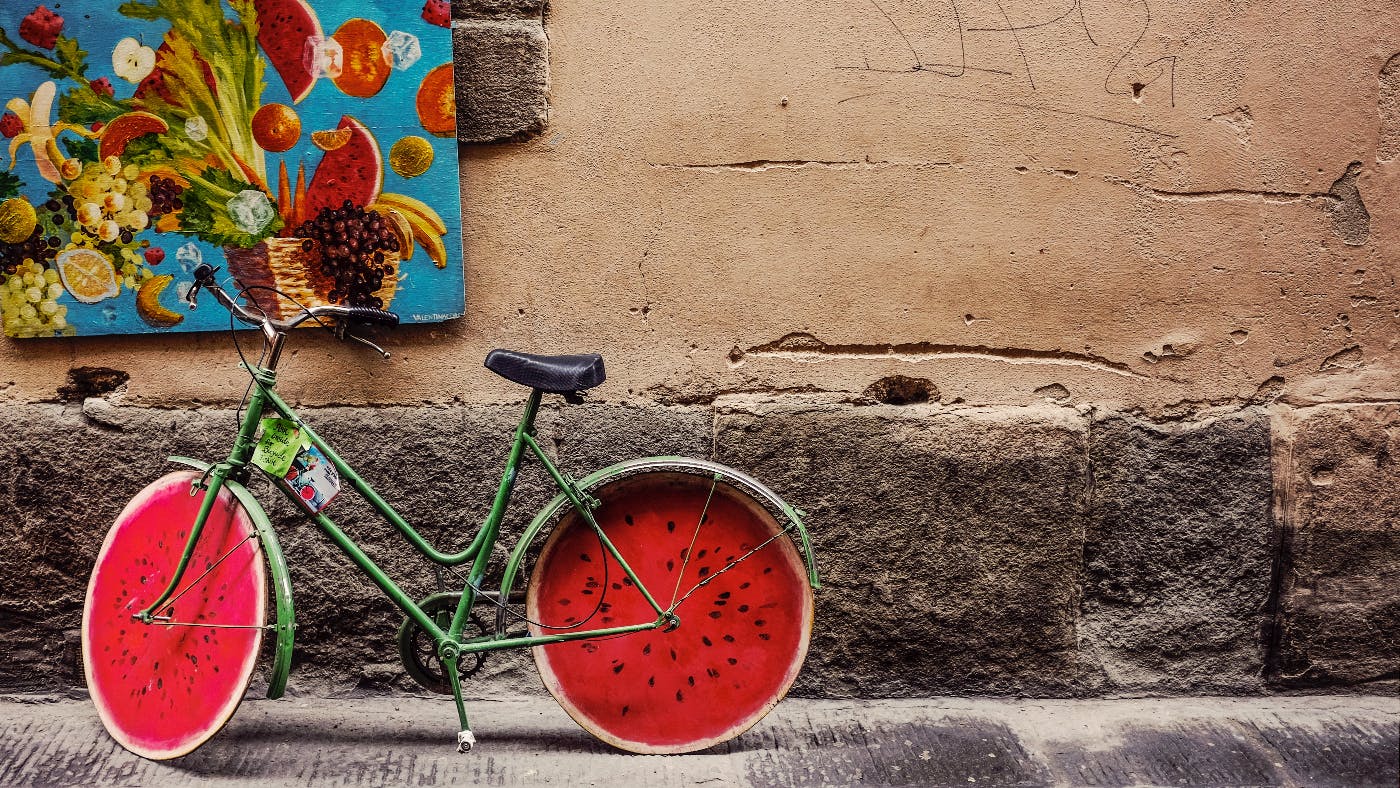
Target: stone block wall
x=1034 y=551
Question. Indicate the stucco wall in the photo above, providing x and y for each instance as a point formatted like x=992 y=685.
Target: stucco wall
x=1155 y=329
x=733 y=197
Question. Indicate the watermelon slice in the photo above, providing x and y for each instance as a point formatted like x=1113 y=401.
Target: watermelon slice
x=354 y=172
x=163 y=689
x=283 y=29
x=742 y=637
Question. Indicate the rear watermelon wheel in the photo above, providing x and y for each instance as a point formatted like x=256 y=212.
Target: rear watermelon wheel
x=742 y=637
x=164 y=688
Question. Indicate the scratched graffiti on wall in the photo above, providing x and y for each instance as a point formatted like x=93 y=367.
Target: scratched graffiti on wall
x=995 y=40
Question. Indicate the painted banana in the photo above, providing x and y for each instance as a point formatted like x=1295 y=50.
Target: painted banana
x=411 y=205
x=427 y=227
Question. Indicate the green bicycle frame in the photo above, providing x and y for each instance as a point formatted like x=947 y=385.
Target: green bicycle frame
x=264 y=398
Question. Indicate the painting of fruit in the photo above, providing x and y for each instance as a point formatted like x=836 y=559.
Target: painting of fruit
x=305 y=146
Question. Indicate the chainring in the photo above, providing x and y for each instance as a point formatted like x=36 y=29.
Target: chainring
x=419 y=654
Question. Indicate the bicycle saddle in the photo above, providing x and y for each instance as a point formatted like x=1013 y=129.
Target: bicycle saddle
x=554 y=374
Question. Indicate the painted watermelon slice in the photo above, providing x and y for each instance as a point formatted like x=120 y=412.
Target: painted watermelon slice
x=354 y=172
x=284 y=26
x=742 y=637
x=163 y=689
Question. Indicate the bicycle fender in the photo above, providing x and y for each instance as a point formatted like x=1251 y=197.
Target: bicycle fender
x=281 y=579
x=630 y=467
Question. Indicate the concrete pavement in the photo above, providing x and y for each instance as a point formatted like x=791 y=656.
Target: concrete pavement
x=1347 y=742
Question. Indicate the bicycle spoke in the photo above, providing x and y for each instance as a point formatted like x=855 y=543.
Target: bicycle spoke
x=729 y=566
x=171 y=602
x=685 y=561
x=161 y=623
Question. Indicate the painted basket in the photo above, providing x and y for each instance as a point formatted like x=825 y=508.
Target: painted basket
x=285 y=264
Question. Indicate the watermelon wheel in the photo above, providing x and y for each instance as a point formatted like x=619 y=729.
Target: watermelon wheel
x=742 y=636
x=163 y=689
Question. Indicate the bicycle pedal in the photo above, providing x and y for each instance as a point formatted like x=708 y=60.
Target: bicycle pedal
x=465 y=741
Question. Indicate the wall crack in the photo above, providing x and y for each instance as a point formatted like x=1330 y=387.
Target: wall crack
x=807 y=348
x=765 y=165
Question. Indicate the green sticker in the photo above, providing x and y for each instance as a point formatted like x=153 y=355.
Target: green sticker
x=278 y=446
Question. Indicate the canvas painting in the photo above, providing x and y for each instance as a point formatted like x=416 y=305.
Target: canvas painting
x=307 y=147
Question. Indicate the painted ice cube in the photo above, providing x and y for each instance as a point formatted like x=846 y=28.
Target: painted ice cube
x=402 y=50
x=197 y=128
x=322 y=55
x=182 y=289
x=251 y=211
x=109 y=314
x=189 y=257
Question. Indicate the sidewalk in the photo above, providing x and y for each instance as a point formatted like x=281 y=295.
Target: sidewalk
x=1348 y=742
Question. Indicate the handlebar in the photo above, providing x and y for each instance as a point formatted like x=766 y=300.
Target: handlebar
x=204 y=278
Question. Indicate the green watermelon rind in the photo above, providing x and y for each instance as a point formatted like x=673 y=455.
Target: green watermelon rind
x=596 y=727
x=224 y=714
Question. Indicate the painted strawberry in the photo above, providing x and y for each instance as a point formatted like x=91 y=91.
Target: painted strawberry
x=155 y=255
x=102 y=87
x=11 y=125
x=438 y=12
x=41 y=28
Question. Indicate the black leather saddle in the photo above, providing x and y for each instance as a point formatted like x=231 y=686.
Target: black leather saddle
x=554 y=374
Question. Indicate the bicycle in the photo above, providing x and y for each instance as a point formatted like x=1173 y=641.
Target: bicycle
x=168 y=659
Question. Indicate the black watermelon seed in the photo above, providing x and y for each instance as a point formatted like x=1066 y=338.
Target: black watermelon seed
x=690 y=679
x=646 y=649
x=617 y=586
x=651 y=682
x=759 y=622
x=768 y=605
x=704 y=570
x=715 y=614
x=706 y=640
x=160 y=683
x=604 y=607
x=584 y=557
x=670 y=565
x=702 y=554
x=744 y=585
x=720 y=603
x=563 y=601
x=733 y=661
x=680 y=698
x=618 y=667
x=627 y=581
x=725 y=594
x=591 y=583
x=714 y=674
x=671 y=526
x=767 y=570
x=624 y=711
x=729 y=638
x=743 y=608
x=570 y=620
x=673 y=655
x=764 y=636
x=587 y=592
x=628 y=519
x=684 y=551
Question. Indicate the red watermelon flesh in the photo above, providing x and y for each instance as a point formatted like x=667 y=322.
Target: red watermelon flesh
x=354 y=172
x=162 y=690
x=741 y=641
x=283 y=28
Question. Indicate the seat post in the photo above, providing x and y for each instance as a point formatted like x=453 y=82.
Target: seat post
x=527 y=421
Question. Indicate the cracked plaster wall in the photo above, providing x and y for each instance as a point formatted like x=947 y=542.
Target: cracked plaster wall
x=1164 y=210
x=1200 y=197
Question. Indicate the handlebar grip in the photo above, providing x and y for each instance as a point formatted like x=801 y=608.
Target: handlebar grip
x=369 y=314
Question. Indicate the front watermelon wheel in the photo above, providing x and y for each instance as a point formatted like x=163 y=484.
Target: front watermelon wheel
x=162 y=689
x=742 y=637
